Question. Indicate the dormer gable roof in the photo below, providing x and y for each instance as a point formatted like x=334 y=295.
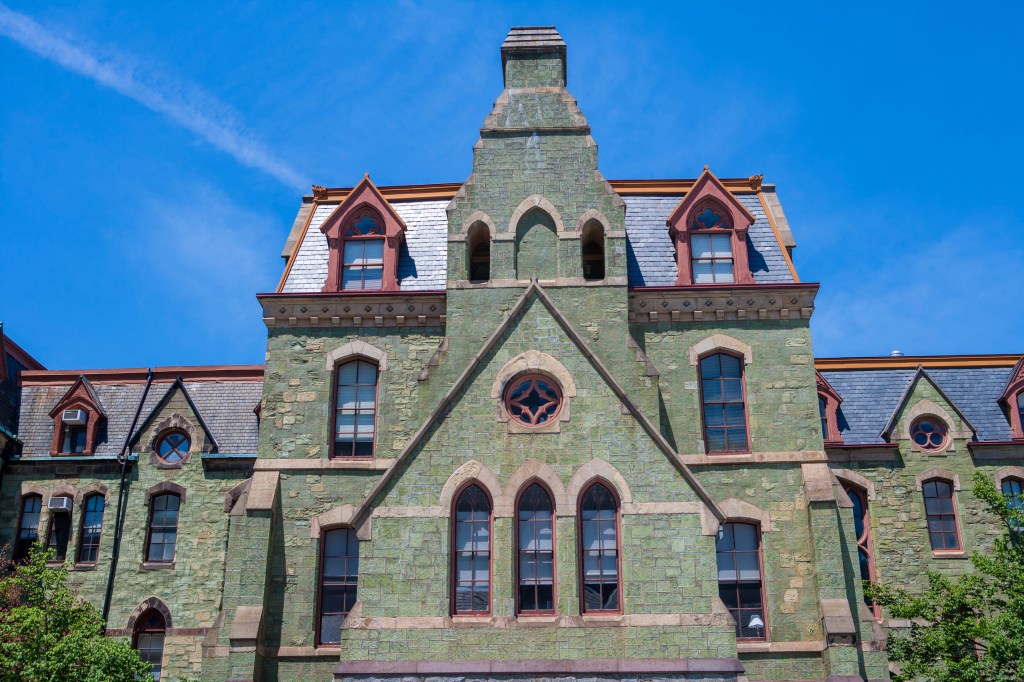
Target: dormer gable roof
x=81 y=393
x=364 y=193
x=709 y=186
x=1015 y=383
x=178 y=385
x=824 y=387
x=921 y=372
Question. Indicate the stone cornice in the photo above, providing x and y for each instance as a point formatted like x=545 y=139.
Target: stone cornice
x=401 y=309
x=717 y=302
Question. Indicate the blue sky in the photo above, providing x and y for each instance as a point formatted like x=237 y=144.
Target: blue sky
x=152 y=155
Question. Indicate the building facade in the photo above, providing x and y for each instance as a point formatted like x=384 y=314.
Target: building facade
x=535 y=425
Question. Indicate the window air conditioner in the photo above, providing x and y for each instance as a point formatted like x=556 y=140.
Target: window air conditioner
x=60 y=504
x=75 y=417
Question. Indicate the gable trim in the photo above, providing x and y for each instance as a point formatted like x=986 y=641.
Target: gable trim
x=890 y=423
x=534 y=289
x=178 y=383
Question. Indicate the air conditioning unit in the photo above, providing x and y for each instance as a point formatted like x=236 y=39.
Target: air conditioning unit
x=75 y=417
x=60 y=504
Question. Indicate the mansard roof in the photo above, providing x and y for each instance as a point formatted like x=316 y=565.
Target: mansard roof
x=423 y=259
x=873 y=388
x=224 y=396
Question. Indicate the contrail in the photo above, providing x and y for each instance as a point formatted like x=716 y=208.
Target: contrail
x=188 y=106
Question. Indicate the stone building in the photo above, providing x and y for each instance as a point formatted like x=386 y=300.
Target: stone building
x=535 y=425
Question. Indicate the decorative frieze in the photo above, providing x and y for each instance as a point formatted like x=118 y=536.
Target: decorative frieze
x=354 y=310
x=714 y=304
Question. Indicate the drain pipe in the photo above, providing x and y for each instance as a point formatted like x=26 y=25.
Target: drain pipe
x=122 y=458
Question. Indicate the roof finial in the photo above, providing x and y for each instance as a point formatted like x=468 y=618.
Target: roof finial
x=705 y=168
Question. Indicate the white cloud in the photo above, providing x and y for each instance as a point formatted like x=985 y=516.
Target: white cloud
x=186 y=105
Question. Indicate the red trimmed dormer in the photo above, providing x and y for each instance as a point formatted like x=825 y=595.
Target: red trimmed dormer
x=76 y=420
x=828 y=410
x=1013 y=400
x=709 y=227
x=363 y=237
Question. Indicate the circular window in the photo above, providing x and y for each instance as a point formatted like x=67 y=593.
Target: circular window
x=173 y=447
x=928 y=433
x=533 y=399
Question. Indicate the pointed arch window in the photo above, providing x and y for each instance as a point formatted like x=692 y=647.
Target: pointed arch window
x=740 y=583
x=148 y=640
x=592 y=245
x=865 y=547
x=28 y=526
x=471 y=552
x=600 y=575
x=940 y=511
x=163 y=528
x=92 y=529
x=478 y=248
x=1014 y=487
x=723 y=404
x=362 y=261
x=535 y=563
x=339 y=576
x=355 y=409
x=59 y=534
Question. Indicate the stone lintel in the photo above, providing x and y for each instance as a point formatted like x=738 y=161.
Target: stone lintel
x=718 y=303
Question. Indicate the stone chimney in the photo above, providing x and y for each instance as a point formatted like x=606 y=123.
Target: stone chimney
x=533 y=57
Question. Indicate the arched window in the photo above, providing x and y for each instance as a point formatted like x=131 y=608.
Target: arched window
x=92 y=528
x=362 y=260
x=740 y=586
x=599 y=550
x=823 y=416
x=711 y=253
x=163 y=528
x=724 y=410
x=865 y=548
x=940 y=510
x=59 y=534
x=478 y=249
x=148 y=639
x=1020 y=408
x=28 y=526
x=339 y=575
x=355 y=409
x=471 y=552
x=535 y=564
x=592 y=245
x=1014 y=487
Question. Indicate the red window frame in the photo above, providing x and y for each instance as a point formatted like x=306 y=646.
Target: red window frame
x=721 y=229
x=151 y=626
x=354 y=411
x=536 y=583
x=762 y=610
x=349 y=235
x=472 y=554
x=27 y=535
x=165 y=438
x=89 y=545
x=582 y=550
x=865 y=543
x=704 y=403
x=150 y=527
x=940 y=518
x=346 y=579
x=938 y=427
x=519 y=410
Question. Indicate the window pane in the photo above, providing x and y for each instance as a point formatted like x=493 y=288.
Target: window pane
x=722 y=245
x=373 y=249
x=700 y=246
x=703 y=272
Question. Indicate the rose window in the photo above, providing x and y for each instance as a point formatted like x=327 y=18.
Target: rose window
x=533 y=399
x=928 y=433
x=173 y=447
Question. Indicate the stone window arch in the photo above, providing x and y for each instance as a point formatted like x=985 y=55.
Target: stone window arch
x=533 y=362
x=721 y=342
x=535 y=470
x=599 y=469
x=479 y=473
x=151 y=603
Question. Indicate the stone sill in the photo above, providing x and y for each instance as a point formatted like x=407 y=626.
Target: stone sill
x=539 y=620
x=83 y=567
x=156 y=566
x=779 y=647
x=947 y=554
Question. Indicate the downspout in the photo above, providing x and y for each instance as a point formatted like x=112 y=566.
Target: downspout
x=122 y=458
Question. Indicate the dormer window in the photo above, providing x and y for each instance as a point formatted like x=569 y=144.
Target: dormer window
x=74 y=439
x=828 y=411
x=76 y=420
x=709 y=227
x=363 y=258
x=364 y=234
x=1013 y=400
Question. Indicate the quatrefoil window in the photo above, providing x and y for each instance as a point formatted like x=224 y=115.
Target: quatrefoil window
x=533 y=399
x=709 y=218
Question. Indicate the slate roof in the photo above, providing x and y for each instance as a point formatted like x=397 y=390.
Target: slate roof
x=423 y=261
x=871 y=396
x=226 y=407
x=650 y=255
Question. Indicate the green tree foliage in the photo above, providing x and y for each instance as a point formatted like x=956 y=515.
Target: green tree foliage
x=972 y=627
x=48 y=634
